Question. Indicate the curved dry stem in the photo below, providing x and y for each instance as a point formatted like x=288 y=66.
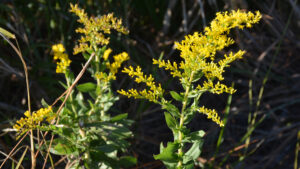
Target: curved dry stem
x=12 y=151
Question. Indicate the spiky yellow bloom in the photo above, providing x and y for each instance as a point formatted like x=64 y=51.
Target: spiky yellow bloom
x=94 y=29
x=198 y=50
x=112 y=67
x=168 y=66
x=153 y=94
x=118 y=60
x=31 y=121
x=144 y=94
x=217 y=88
x=64 y=61
x=107 y=53
x=211 y=114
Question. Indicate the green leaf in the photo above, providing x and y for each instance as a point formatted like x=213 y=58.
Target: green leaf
x=119 y=117
x=70 y=76
x=189 y=115
x=171 y=109
x=63 y=85
x=194 y=136
x=90 y=51
x=171 y=121
x=21 y=159
x=102 y=157
x=176 y=96
x=108 y=148
x=170 y=165
x=127 y=161
x=189 y=165
x=197 y=76
x=168 y=154
x=197 y=135
x=86 y=55
x=195 y=151
x=44 y=103
x=87 y=87
x=193 y=94
x=62 y=147
x=161 y=56
x=80 y=100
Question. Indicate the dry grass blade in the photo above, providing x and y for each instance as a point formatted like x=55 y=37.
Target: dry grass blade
x=58 y=162
x=11 y=152
x=21 y=159
x=18 y=51
x=10 y=158
x=6 y=33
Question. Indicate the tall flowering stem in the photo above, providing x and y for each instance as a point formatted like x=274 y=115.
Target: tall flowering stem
x=199 y=71
x=89 y=134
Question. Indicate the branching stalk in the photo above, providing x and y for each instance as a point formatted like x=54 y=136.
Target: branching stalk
x=181 y=122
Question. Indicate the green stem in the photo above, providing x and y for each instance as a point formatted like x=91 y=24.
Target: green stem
x=181 y=122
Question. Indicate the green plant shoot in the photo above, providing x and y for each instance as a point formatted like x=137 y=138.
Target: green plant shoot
x=199 y=71
x=87 y=134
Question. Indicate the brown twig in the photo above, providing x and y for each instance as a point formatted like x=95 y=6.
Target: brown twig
x=11 y=152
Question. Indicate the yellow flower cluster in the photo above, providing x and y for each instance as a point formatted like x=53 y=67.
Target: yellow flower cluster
x=199 y=50
x=225 y=21
x=102 y=76
x=217 y=88
x=153 y=94
x=59 y=54
x=31 y=121
x=94 y=29
x=118 y=60
x=211 y=114
x=168 y=66
x=113 y=67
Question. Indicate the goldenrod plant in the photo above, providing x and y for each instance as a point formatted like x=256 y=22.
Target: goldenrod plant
x=199 y=71
x=87 y=133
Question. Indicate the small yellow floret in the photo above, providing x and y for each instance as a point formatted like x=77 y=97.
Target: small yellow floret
x=118 y=60
x=58 y=48
x=107 y=53
x=212 y=114
x=64 y=61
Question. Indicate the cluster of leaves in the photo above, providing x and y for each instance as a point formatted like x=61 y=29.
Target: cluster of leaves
x=199 y=64
x=88 y=134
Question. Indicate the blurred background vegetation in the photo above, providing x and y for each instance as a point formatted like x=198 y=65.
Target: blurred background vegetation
x=262 y=116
